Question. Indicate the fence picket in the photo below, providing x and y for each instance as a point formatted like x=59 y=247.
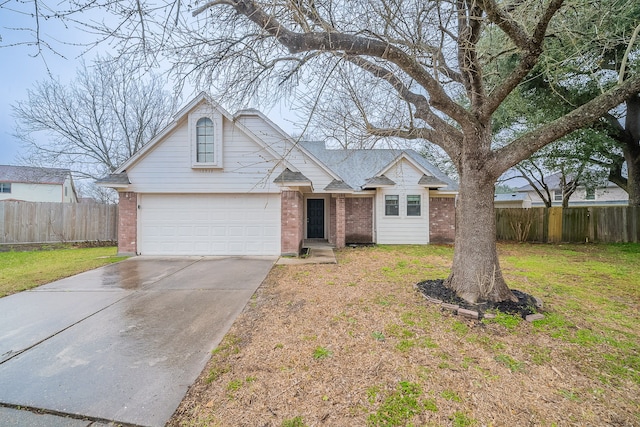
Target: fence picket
x=605 y=224
x=33 y=222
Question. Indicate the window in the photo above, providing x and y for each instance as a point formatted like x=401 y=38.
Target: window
x=590 y=194
x=413 y=205
x=204 y=140
x=557 y=195
x=391 y=207
x=5 y=187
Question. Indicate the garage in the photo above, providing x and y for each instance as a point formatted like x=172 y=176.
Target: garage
x=209 y=224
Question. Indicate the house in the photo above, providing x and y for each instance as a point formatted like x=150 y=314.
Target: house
x=216 y=184
x=34 y=184
x=512 y=200
x=607 y=195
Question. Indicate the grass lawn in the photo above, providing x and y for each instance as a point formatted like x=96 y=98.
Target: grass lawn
x=355 y=344
x=26 y=270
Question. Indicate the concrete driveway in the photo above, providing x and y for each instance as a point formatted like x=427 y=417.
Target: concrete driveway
x=121 y=343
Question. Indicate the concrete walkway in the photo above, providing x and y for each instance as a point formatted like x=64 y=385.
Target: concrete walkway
x=320 y=252
x=121 y=344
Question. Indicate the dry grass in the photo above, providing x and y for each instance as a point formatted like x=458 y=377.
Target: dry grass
x=354 y=344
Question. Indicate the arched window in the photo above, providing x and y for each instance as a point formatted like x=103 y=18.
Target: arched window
x=204 y=140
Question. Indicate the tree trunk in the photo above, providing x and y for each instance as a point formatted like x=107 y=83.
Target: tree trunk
x=631 y=149
x=632 y=155
x=476 y=275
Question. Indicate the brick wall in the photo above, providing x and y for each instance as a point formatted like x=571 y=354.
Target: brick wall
x=442 y=219
x=292 y=225
x=128 y=223
x=340 y=221
x=359 y=220
x=332 y=220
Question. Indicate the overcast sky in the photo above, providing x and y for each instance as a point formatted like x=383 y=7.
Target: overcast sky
x=21 y=66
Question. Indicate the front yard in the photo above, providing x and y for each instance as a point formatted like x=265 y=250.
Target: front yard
x=28 y=269
x=355 y=344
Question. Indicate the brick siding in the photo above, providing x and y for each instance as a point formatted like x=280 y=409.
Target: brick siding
x=340 y=221
x=332 y=220
x=292 y=224
x=128 y=223
x=359 y=220
x=442 y=219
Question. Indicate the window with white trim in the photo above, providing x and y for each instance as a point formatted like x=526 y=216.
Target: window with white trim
x=5 y=187
x=392 y=205
x=590 y=194
x=413 y=205
x=205 y=130
x=557 y=195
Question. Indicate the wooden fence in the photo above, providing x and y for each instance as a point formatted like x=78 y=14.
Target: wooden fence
x=609 y=224
x=28 y=222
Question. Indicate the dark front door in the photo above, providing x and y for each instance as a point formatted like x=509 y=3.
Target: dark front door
x=315 y=218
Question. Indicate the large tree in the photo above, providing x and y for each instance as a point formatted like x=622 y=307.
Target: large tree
x=407 y=69
x=593 y=49
x=95 y=122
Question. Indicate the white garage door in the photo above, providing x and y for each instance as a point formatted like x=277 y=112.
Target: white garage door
x=206 y=224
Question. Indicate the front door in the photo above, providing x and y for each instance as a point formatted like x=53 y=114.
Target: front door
x=315 y=218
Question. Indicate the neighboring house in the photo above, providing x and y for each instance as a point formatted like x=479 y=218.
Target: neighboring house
x=512 y=200
x=216 y=184
x=33 y=184
x=609 y=195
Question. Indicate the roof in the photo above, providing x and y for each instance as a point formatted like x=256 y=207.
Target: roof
x=33 y=175
x=553 y=182
x=379 y=181
x=288 y=175
x=431 y=181
x=359 y=168
x=115 y=179
x=511 y=197
x=337 y=185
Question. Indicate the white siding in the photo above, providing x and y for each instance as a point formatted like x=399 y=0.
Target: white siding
x=167 y=167
x=248 y=167
x=68 y=195
x=209 y=224
x=34 y=192
x=402 y=229
x=608 y=195
x=292 y=154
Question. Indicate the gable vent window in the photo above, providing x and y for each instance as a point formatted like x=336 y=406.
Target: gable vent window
x=205 y=140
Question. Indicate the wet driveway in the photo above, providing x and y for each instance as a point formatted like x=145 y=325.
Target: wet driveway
x=121 y=343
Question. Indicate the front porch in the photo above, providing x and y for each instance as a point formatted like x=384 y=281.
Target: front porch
x=332 y=218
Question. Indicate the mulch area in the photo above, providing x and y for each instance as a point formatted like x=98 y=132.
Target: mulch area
x=436 y=289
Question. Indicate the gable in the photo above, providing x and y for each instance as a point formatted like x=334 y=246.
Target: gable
x=405 y=175
x=169 y=166
x=248 y=154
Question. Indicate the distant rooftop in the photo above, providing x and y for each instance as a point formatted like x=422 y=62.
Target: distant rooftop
x=33 y=175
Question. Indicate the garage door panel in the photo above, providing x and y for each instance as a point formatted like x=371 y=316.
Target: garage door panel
x=209 y=224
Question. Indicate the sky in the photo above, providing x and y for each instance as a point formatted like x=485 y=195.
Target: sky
x=21 y=66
